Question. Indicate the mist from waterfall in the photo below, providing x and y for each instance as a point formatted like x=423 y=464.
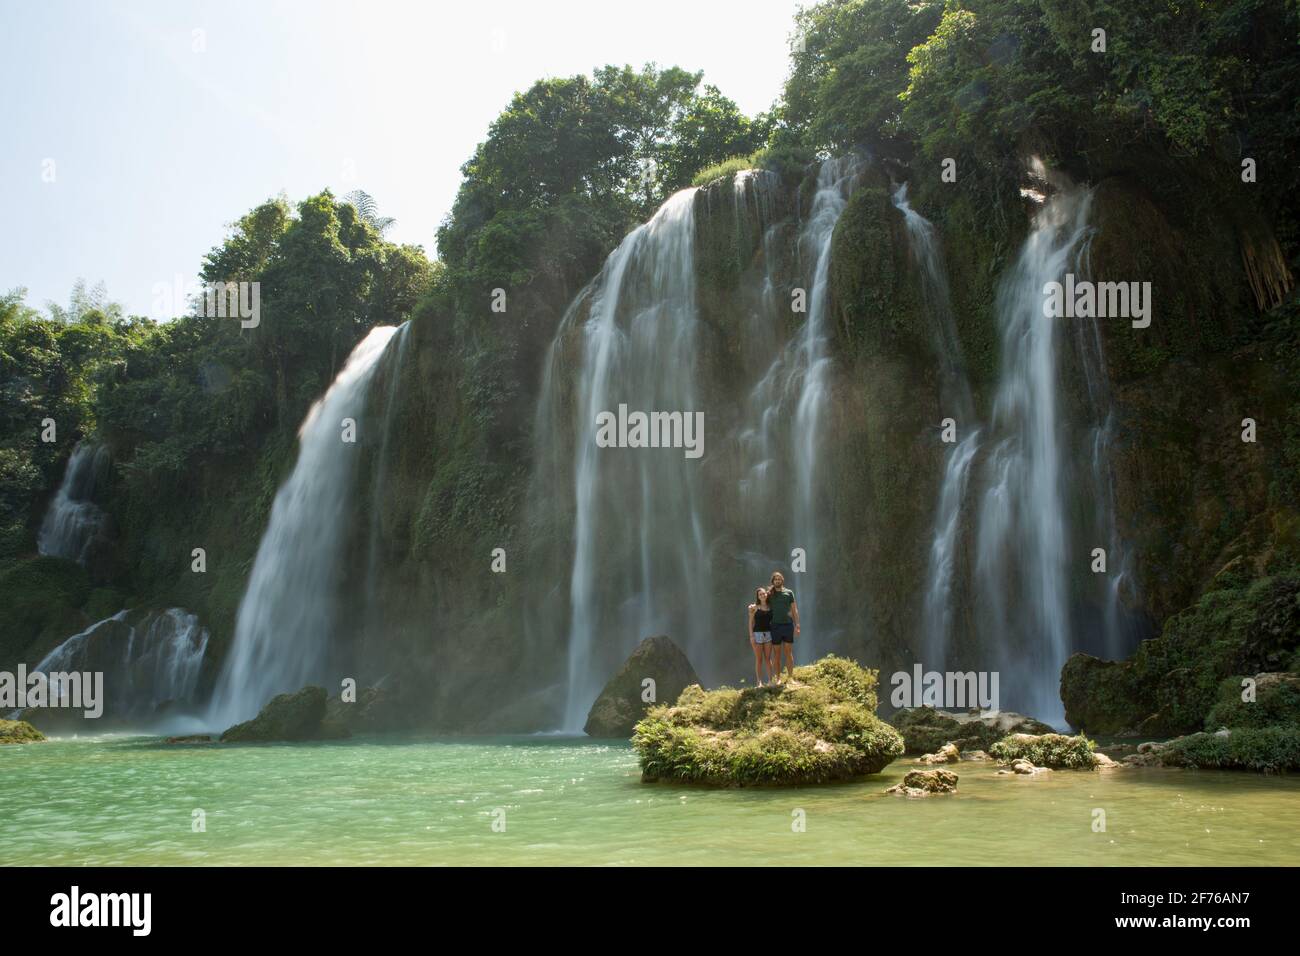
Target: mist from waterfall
x=285 y=624
x=73 y=519
x=938 y=610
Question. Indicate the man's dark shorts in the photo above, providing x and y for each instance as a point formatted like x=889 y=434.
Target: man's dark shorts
x=783 y=633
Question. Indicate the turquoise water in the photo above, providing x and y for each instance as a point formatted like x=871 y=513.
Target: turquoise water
x=130 y=800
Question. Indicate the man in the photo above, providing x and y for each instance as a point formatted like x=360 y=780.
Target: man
x=785 y=623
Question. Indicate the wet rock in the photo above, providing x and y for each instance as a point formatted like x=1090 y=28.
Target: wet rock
x=191 y=739
x=285 y=717
x=948 y=753
x=923 y=783
x=620 y=705
x=926 y=729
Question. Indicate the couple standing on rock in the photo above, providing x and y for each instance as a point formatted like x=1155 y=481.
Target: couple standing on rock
x=773 y=624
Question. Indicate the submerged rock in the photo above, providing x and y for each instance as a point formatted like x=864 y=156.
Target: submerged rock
x=1056 y=751
x=19 y=732
x=819 y=727
x=621 y=704
x=297 y=716
x=923 y=783
x=926 y=729
x=191 y=739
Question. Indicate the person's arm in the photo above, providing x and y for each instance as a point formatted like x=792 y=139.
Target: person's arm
x=751 y=622
x=794 y=616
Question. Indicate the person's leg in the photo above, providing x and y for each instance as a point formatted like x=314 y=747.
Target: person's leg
x=758 y=663
x=773 y=664
x=787 y=649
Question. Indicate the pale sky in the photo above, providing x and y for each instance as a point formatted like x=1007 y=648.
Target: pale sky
x=135 y=132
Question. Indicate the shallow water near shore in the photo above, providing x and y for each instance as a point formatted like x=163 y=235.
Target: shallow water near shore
x=391 y=800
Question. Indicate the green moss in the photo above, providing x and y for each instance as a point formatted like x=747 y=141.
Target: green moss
x=1277 y=701
x=1263 y=749
x=1047 y=750
x=19 y=732
x=820 y=728
x=725 y=169
x=1169 y=687
x=40 y=601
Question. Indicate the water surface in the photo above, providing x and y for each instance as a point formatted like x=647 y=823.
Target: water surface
x=130 y=800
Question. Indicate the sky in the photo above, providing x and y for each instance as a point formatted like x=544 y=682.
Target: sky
x=136 y=132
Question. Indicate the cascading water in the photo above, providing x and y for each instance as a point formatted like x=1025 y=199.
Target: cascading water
x=149 y=660
x=835 y=181
x=639 y=350
x=956 y=401
x=286 y=618
x=1023 y=537
x=73 y=519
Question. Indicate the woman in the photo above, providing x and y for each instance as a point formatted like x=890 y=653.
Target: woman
x=785 y=623
x=760 y=635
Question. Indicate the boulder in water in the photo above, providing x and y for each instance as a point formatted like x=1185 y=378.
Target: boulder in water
x=923 y=783
x=1055 y=751
x=621 y=704
x=948 y=753
x=817 y=728
x=19 y=732
x=299 y=716
x=925 y=729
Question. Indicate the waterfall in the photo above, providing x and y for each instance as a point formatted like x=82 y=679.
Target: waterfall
x=639 y=554
x=73 y=519
x=956 y=403
x=285 y=622
x=149 y=660
x=1023 y=530
x=835 y=181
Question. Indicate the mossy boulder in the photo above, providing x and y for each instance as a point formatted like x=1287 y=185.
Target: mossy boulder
x=1276 y=701
x=1258 y=749
x=817 y=728
x=923 y=783
x=620 y=705
x=1242 y=625
x=926 y=730
x=1057 y=751
x=19 y=732
x=299 y=716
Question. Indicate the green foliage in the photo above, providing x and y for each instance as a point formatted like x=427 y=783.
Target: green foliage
x=40 y=600
x=1242 y=625
x=1262 y=749
x=1277 y=701
x=726 y=168
x=1047 y=750
x=818 y=729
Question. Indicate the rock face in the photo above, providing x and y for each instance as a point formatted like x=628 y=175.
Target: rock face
x=19 y=732
x=817 y=728
x=923 y=783
x=297 y=716
x=1187 y=678
x=925 y=729
x=1055 y=751
x=619 y=706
